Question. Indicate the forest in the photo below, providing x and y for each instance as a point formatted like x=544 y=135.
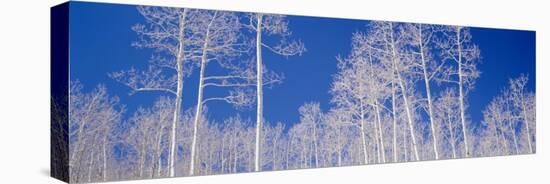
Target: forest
x=399 y=95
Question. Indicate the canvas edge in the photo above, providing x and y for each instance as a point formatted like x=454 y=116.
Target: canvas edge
x=59 y=91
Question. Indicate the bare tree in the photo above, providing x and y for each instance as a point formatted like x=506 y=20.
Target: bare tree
x=312 y=116
x=462 y=55
x=496 y=118
x=220 y=42
x=387 y=40
x=520 y=98
x=506 y=114
x=271 y=25
x=359 y=88
x=335 y=139
x=174 y=42
x=91 y=117
x=445 y=112
x=348 y=94
x=420 y=37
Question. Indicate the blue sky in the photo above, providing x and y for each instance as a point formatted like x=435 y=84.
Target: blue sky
x=101 y=43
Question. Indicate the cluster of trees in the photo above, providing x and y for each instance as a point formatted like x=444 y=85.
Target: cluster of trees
x=510 y=121
x=400 y=95
x=92 y=118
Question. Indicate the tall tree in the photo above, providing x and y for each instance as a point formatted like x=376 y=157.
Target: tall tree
x=175 y=42
x=271 y=25
x=420 y=37
x=358 y=88
x=520 y=98
x=220 y=42
x=387 y=40
x=458 y=49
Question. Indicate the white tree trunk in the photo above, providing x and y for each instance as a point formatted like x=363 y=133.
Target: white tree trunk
x=235 y=152
x=143 y=154
x=288 y=149
x=223 y=156
x=274 y=155
x=198 y=109
x=461 y=95
x=90 y=165
x=179 y=94
x=428 y=93
x=408 y=113
x=394 y=118
x=259 y=92
x=403 y=93
x=363 y=137
x=380 y=134
x=514 y=137
x=526 y=121
x=315 y=144
x=104 y=172
x=504 y=144
x=377 y=141
x=339 y=146
x=157 y=153
x=405 y=148
x=451 y=132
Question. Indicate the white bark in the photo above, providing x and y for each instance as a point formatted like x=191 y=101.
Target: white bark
x=104 y=148
x=461 y=94
x=401 y=84
x=90 y=165
x=259 y=92
x=198 y=110
x=451 y=132
x=526 y=122
x=428 y=92
x=363 y=137
x=80 y=133
x=381 y=135
x=394 y=118
x=157 y=159
x=179 y=94
x=315 y=143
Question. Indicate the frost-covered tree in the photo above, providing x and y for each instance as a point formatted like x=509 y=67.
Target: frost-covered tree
x=175 y=42
x=270 y=25
x=419 y=38
x=462 y=56
x=524 y=103
x=507 y=113
x=312 y=116
x=92 y=114
x=497 y=120
x=147 y=136
x=445 y=109
x=388 y=42
x=274 y=147
x=350 y=94
x=339 y=137
x=219 y=41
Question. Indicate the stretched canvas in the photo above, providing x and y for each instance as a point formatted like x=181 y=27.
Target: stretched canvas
x=143 y=92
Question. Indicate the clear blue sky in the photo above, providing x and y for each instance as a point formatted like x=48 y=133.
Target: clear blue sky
x=101 y=43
